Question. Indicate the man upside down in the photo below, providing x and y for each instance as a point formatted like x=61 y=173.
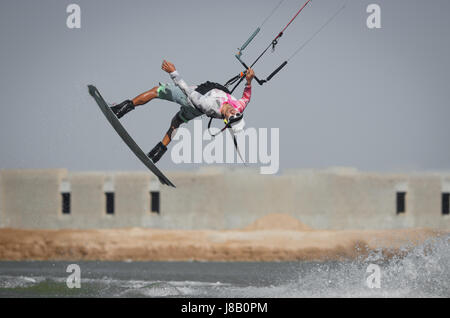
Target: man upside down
x=209 y=98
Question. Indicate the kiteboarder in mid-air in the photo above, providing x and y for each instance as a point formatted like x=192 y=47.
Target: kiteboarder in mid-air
x=211 y=99
x=208 y=98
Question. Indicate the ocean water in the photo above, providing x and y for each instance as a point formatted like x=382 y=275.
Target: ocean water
x=422 y=271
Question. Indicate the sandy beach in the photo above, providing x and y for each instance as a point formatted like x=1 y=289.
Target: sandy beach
x=272 y=238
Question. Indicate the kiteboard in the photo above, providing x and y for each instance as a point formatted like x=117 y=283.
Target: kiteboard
x=114 y=121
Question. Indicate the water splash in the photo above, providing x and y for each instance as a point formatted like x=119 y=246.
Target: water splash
x=421 y=271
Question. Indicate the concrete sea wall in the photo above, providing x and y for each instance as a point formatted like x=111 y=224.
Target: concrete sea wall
x=216 y=198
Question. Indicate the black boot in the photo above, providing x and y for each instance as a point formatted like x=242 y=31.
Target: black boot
x=123 y=108
x=157 y=152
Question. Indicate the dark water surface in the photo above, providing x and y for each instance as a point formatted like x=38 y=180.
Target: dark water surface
x=422 y=272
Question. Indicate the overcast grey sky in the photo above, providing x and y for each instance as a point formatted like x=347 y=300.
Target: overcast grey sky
x=376 y=100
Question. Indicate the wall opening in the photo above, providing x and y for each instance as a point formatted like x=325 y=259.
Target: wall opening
x=65 y=190
x=401 y=202
x=109 y=202
x=65 y=202
x=445 y=203
x=154 y=201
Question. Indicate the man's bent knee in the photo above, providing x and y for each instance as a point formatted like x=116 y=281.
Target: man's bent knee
x=176 y=122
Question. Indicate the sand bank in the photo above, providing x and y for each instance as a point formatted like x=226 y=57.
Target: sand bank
x=272 y=238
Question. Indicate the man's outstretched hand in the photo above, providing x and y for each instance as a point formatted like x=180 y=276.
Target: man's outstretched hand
x=168 y=67
x=250 y=74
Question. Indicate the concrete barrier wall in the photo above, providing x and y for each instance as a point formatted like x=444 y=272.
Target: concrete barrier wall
x=87 y=202
x=31 y=198
x=215 y=198
x=320 y=199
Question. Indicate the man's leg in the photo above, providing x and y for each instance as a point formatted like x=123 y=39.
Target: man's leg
x=128 y=105
x=158 y=151
x=176 y=122
x=144 y=98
